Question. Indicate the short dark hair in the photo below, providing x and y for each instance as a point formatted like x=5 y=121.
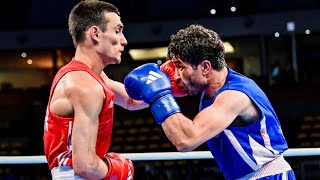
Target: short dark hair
x=88 y=13
x=195 y=44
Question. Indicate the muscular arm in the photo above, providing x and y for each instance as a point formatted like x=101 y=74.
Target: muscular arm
x=187 y=135
x=86 y=97
x=121 y=97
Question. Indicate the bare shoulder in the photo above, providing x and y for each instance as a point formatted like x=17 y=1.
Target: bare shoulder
x=81 y=83
x=232 y=97
x=232 y=101
x=240 y=104
x=74 y=89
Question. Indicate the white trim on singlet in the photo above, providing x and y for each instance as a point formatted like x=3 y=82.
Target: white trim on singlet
x=277 y=166
x=240 y=150
x=64 y=157
x=64 y=173
x=261 y=154
x=265 y=136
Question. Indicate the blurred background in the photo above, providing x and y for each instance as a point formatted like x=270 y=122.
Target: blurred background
x=276 y=43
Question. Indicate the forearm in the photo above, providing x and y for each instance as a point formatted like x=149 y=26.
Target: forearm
x=131 y=104
x=86 y=163
x=180 y=131
x=121 y=97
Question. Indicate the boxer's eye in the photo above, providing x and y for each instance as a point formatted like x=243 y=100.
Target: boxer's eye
x=179 y=67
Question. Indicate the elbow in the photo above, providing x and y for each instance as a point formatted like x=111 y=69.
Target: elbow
x=183 y=146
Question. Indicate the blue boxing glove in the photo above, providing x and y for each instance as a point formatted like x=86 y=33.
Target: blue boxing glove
x=148 y=83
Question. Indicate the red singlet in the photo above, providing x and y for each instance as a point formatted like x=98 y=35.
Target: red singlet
x=58 y=130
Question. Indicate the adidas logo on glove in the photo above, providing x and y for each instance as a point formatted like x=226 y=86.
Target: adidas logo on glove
x=152 y=77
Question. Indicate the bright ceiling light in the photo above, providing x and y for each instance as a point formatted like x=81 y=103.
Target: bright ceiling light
x=213 y=11
x=307 y=31
x=148 y=53
x=233 y=9
x=228 y=48
x=161 y=52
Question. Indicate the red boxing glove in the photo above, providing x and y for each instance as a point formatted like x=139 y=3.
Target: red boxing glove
x=119 y=168
x=168 y=68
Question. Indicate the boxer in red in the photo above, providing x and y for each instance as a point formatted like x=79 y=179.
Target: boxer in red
x=79 y=117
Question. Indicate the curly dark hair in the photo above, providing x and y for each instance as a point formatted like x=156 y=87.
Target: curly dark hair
x=195 y=44
x=88 y=13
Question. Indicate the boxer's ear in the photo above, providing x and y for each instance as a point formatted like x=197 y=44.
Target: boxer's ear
x=205 y=67
x=94 y=32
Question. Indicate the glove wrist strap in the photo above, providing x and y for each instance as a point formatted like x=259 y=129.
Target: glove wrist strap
x=164 y=107
x=108 y=163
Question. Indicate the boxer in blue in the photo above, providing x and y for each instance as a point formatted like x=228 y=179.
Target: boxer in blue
x=236 y=119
